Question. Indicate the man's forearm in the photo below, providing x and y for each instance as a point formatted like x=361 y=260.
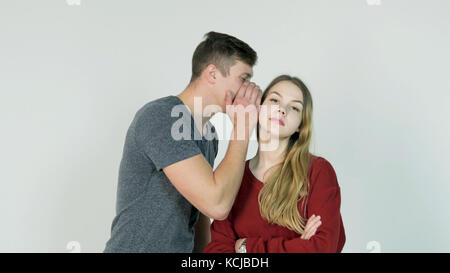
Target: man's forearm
x=228 y=174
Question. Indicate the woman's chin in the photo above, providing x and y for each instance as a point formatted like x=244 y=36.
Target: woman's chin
x=270 y=135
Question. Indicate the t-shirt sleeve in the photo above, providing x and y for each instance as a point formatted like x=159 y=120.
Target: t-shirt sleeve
x=158 y=134
x=215 y=143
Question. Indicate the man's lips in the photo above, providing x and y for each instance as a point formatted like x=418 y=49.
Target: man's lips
x=278 y=120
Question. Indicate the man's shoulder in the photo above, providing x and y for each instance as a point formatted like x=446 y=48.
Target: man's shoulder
x=154 y=116
x=159 y=110
x=161 y=104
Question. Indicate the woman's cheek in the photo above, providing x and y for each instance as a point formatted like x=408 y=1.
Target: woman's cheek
x=262 y=113
x=295 y=123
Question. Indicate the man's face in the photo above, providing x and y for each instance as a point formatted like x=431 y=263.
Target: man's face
x=238 y=74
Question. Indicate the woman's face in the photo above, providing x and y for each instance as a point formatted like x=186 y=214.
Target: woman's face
x=281 y=111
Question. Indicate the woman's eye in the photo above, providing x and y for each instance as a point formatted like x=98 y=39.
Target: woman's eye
x=274 y=100
x=296 y=109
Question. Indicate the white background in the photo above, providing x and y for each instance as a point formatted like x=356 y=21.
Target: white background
x=73 y=76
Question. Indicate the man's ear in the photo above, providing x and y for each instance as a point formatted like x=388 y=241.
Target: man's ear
x=210 y=74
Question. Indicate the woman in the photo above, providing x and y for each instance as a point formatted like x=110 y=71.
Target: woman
x=283 y=187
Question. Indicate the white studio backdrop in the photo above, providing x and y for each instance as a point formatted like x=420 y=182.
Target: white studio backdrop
x=74 y=73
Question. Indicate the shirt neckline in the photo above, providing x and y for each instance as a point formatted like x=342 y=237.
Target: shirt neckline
x=208 y=124
x=253 y=178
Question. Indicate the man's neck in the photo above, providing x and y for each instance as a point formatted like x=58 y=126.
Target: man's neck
x=192 y=96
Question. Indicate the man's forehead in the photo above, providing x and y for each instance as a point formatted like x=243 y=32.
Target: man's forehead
x=243 y=68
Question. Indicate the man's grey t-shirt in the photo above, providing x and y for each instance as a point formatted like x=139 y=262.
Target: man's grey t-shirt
x=151 y=215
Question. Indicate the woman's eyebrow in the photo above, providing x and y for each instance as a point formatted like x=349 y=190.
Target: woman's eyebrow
x=275 y=92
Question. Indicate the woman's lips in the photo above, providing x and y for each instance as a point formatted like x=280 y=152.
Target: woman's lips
x=278 y=120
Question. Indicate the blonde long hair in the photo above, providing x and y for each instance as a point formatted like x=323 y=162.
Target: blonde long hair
x=289 y=184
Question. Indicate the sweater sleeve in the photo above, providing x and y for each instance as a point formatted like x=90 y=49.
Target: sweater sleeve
x=223 y=237
x=325 y=201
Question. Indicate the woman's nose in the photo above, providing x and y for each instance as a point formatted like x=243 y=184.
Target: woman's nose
x=282 y=111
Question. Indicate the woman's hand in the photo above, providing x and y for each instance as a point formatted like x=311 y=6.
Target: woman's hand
x=310 y=230
x=311 y=227
x=238 y=244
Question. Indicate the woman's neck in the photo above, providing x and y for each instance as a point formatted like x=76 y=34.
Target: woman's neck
x=265 y=159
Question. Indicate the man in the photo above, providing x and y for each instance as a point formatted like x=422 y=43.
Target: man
x=165 y=180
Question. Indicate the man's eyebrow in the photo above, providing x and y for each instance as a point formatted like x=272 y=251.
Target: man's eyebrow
x=275 y=92
x=247 y=75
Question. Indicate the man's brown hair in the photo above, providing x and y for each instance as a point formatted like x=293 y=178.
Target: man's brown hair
x=223 y=51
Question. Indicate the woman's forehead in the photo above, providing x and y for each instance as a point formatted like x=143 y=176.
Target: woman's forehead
x=287 y=90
